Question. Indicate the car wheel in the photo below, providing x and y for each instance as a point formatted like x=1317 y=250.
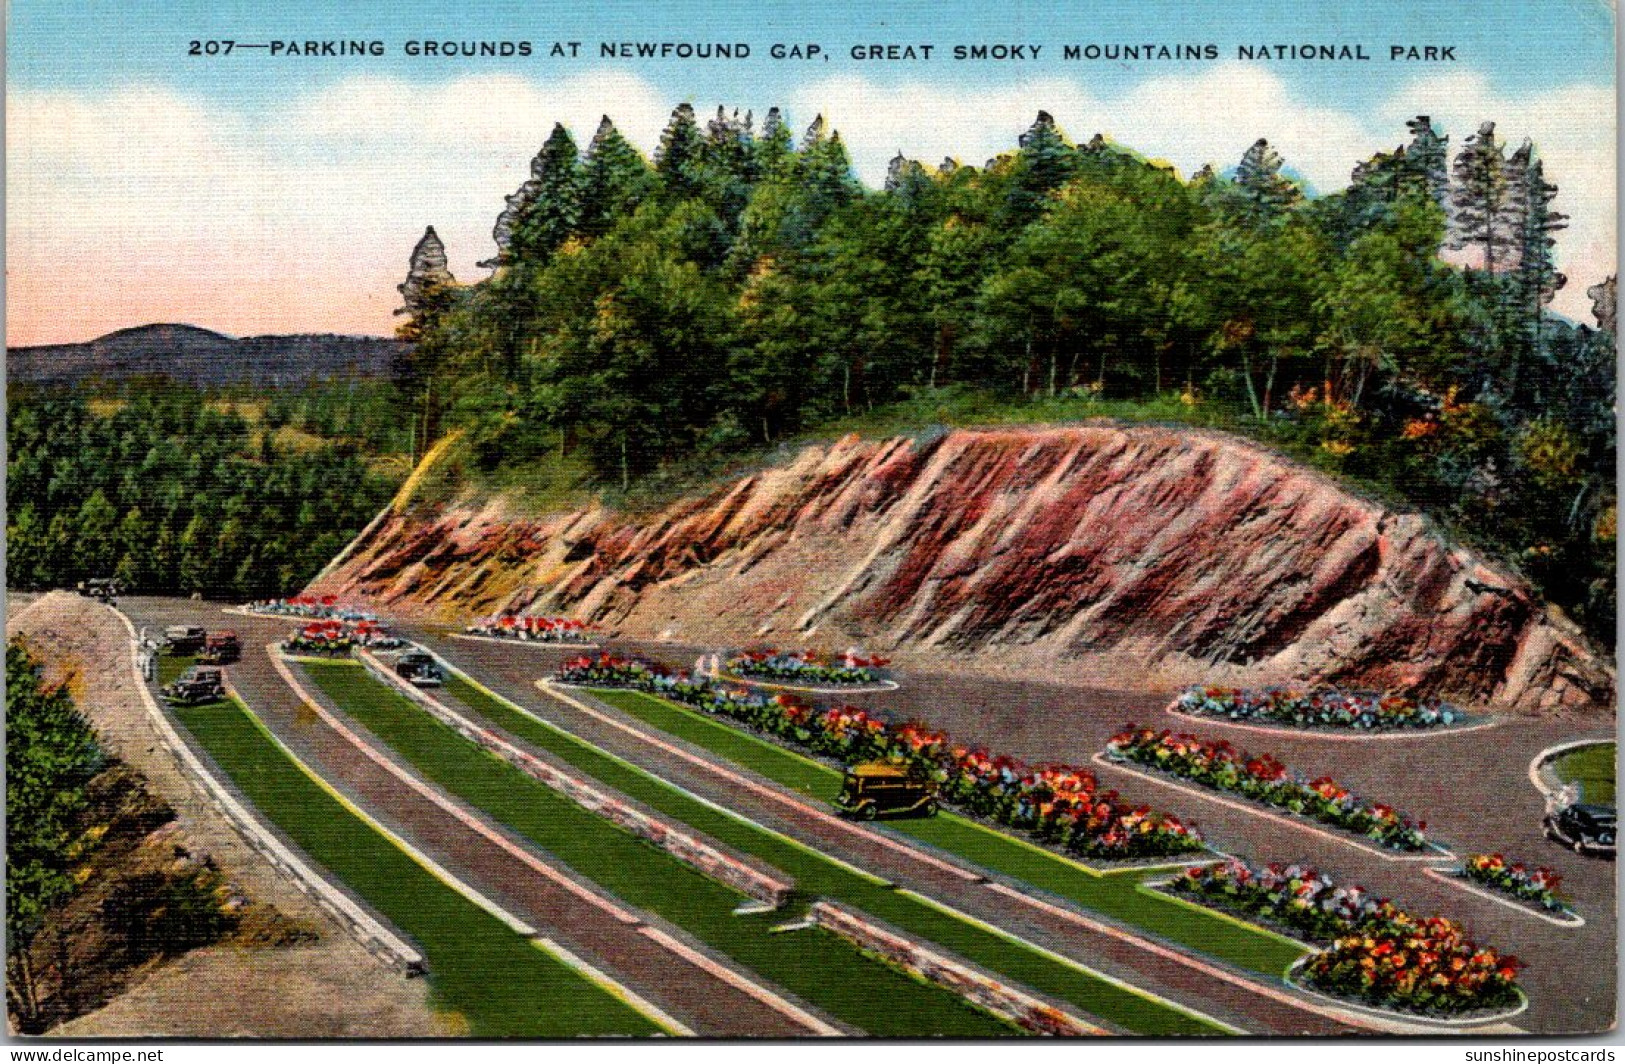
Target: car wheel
x=867 y=812
x=929 y=809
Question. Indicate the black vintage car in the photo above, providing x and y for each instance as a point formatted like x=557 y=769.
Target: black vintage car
x=103 y=588
x=879 y=789
x=184 y=638
x=1586 y=829
x=196 y=686
x=419 y=669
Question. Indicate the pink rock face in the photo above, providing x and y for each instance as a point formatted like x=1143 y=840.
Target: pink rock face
x=1126 y=557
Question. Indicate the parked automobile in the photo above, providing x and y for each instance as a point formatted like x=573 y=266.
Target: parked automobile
x=104 y=588
x=878 y=789
x=221 y=648
x=196 y=686
x=1586 y=829
x=419 y=669
x=184 y=638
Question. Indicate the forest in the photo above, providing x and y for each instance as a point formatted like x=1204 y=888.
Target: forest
x=173 y=489
x=744 y=290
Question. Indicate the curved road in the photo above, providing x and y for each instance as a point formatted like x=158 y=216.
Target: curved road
x=707 y=1004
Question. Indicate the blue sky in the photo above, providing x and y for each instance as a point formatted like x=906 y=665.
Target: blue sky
x=210 y=157
x=1528 y=45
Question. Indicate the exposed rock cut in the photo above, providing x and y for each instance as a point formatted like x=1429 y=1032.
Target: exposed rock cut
x=1122 y=556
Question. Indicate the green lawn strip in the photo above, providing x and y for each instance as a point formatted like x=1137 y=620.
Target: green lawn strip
x=1246 y=947
x=500 y=983
x=819 y=968
x=818 y=875
x=1593 y=768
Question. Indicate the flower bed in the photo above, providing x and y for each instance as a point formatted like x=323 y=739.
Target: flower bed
x=1537 y=886
x=301 y=645
x=531 y=628
x=1346 y=710
x=1219 y=765
x=333 y=638
x=326 y=607
x=1375 y=952
x=808 y=668
x=1061 y=805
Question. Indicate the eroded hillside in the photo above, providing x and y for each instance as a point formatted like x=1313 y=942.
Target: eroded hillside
x=1121 y=556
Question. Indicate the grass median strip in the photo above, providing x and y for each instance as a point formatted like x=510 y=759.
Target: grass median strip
x=499 y=983
x=818 y=875
x=1592 y=767
x=813 y=964
x=1245 y=947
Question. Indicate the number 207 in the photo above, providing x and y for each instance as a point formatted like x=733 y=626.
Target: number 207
x=210 y=47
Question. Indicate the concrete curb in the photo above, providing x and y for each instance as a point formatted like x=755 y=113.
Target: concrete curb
x=976 y=987
x=371 y=933
x=1349 y=736
x=529 y=644
x=692 y=851
x=1280 y=995
x=1456 y=879
x=1435 y=852
x=654 y=934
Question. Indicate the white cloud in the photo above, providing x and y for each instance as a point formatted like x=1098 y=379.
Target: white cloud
x=138 y=203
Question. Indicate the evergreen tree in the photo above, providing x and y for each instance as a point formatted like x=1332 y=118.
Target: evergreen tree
x=1265 y=195
x=775 y=148
x=1536 y=277
x=1044 y=162
x=677 y=159
x=1427 y=159
x=1482 y=208
x=615 y=178
x=553 y=212
x=429 y=293
x=824 y=180
x=95 y=539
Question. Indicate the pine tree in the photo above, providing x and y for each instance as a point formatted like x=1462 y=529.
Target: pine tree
x=728 y=164
x=96 y=545
x=1535 y=277
x=615 y=178
x=429 y=293
x=677 y=159
x=775 y=148
x=1265 y=194
x=1044 y=162
x=1482 y=200
x=824 y=173
x=553 y=212
x=1427 y=159
x=428 y=276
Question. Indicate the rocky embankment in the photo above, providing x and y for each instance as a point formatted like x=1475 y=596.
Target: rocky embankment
x=1127 y=557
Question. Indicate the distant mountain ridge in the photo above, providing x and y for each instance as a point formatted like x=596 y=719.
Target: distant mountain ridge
x=191 y=355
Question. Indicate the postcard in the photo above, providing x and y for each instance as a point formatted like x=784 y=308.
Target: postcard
x=770 y=522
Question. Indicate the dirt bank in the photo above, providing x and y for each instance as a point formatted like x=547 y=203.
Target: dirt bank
x=330 y=987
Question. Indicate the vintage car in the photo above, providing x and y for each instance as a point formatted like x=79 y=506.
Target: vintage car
x=196 y=686
x=184 y=638
x=221 y=648
x=1586 y=829
x=878 y=789
x=104 y=588
x=419 y=669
